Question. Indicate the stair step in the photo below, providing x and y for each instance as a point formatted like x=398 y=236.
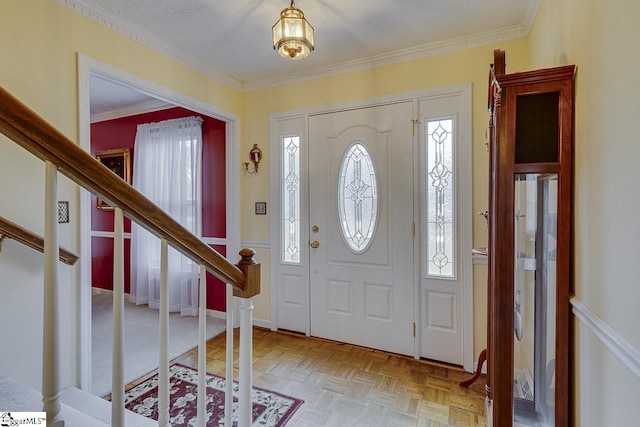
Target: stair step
x=78 y=408
x=17 y=397
x=100 y=408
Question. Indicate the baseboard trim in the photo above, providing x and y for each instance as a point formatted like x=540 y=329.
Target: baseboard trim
x=210 y=313
x=619 y=346
x=262 y=323
x=217 y=314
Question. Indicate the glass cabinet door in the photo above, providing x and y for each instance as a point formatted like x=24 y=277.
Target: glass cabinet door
x=529 y=254
x=535 y=234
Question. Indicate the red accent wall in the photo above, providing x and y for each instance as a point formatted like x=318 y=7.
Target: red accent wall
x=121 y=133
x=216 y=289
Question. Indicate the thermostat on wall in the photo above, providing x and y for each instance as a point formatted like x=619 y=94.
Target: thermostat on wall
x=261 y=208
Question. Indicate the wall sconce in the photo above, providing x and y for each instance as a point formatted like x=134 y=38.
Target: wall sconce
x=255 y=155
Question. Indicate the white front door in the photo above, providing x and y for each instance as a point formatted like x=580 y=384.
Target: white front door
x=361 y=213
x=355 y=180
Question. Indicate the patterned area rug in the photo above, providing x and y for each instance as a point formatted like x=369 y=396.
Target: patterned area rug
x=270 y=409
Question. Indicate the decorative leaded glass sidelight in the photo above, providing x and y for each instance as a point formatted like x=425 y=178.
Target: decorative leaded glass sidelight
x=440 y=198
x=290 y=199
x=357 y=198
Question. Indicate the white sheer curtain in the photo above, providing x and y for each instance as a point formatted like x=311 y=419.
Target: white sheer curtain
x=167 y=168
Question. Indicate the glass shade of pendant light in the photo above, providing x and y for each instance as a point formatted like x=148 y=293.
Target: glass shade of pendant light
x=292 y=35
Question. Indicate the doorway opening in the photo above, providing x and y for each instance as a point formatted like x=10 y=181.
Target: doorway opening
x=91 y=74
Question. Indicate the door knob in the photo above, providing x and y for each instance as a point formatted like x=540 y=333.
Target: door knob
x=315 y=244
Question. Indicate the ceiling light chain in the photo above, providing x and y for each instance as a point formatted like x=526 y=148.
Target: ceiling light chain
x=292 y=35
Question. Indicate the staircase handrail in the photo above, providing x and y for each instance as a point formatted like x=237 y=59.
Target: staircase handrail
x=26 y=128
x=13 y=231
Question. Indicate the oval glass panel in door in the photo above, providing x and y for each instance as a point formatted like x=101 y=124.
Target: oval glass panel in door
x=357 y=198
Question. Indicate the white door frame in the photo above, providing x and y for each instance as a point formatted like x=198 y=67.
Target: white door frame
x=86 y=67
x=464 y=90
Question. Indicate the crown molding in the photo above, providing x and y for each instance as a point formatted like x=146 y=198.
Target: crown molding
x=142 y=108
x=114 y=23
x=500 y=35
x=409 y=54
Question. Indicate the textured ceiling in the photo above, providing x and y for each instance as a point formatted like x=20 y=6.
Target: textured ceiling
x=231 y=39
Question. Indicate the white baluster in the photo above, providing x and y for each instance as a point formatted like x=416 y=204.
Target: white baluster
x=163 y=369
x=246 y=357
x=228 y=397
x=202 y=350
x=117 y=378
x=51 y=325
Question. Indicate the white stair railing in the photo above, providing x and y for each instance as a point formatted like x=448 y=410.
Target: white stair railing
x=163 y=367
x=51 y=339
x=51 y=309
x=246 y=358
x=246 y=344
x=51 y=331
x=117 y=379
x=228 y=401
x=251 y=269
x=202 y=350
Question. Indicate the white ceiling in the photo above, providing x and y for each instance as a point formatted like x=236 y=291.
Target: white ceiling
x=230 y=40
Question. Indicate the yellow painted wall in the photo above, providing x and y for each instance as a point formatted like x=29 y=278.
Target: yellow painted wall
x=601 y=38
x=459 y=67
x=39 y=41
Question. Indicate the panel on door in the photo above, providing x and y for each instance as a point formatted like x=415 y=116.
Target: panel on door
x=361 y=227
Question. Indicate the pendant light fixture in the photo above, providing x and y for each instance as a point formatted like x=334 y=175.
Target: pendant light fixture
x=292 y=35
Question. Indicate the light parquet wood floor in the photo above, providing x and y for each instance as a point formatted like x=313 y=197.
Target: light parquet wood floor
x=347 y=385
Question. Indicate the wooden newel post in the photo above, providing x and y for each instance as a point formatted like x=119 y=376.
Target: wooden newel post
x=251 y=270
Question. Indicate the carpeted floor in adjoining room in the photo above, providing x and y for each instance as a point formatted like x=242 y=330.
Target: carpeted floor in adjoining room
x=141 y=339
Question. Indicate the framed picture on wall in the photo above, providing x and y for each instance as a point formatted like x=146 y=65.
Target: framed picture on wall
x=119 y=161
